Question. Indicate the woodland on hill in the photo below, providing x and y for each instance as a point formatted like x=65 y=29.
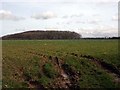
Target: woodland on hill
x=36 y=35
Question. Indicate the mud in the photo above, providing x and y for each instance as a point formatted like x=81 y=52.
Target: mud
x=72 y=75
x=111 y=68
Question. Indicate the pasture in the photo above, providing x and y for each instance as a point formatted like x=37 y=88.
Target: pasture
x=60 y=64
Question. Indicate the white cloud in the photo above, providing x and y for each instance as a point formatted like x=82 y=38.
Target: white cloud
x=73 y=16
x=79 y=21
x=44 y=15
x=59 y=0
x=76 y=15
x=100 y=32
x=115 y=18
x=93 y=21
x=88 y=21
x=7 y=15
x=107 y=33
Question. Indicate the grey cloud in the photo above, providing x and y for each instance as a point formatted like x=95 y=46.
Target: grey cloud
x=65 y=16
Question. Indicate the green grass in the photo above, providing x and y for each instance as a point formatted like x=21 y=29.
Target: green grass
x=22 y=61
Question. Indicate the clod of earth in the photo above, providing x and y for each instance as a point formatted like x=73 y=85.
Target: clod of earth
x=35 y=84
x=50 y=57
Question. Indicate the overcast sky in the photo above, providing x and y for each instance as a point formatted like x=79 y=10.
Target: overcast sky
x=91 y=18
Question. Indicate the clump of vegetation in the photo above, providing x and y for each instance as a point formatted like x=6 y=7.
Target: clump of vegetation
x=44 y=80
x=49 y=70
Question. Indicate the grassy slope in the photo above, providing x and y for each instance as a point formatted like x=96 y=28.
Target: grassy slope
x=22 y=61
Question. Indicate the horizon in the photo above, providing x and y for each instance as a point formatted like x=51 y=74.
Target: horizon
x=90 y=18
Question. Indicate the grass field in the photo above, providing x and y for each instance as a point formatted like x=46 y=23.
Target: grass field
x=60 y=63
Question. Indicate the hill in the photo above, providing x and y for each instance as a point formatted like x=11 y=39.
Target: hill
x=33 y=35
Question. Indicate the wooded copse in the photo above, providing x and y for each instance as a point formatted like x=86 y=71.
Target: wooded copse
x=32 y=35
